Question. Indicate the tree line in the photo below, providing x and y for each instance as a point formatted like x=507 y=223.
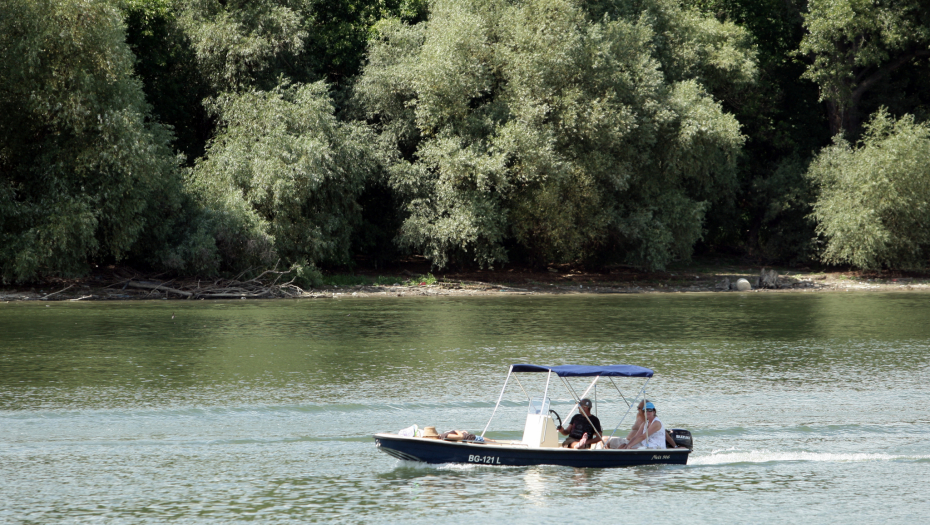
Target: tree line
x=208 y=137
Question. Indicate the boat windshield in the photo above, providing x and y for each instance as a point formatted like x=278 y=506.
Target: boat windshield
x=539 y=405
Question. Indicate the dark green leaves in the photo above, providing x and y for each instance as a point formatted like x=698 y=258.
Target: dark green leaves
x=82 y=173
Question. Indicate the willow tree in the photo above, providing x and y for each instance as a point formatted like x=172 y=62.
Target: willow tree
x=289 y=172
x=873 y=204
x=557 y=129
x=83 y=175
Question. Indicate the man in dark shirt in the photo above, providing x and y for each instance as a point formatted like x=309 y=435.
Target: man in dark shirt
x=584 y=429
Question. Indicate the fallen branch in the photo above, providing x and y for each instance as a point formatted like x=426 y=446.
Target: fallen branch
x=45 y=297
x=153 y=286
x=256 y=279
x=236 y=278
x=233 y=295
x=227 y=289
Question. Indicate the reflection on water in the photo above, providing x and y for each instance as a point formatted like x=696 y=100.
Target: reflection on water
x=224 y=411
x=293 y=352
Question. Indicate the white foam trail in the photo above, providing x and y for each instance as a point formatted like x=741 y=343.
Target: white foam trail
x=764 y=456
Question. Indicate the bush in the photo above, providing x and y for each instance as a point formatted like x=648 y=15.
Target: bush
x=873 y=205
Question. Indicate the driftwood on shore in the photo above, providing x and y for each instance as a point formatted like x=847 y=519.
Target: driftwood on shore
x=256 y=288
x=768 y=279
x=45 y=297
x=156 y=286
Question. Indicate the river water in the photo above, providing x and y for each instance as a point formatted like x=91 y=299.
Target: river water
x=803 y=407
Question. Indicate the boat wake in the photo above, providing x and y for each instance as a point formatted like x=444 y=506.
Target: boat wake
x=765 y=456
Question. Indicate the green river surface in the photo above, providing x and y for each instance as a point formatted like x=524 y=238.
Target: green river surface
x=805 y=407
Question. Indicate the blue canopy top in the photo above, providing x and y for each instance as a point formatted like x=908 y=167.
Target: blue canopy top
x=586 y=370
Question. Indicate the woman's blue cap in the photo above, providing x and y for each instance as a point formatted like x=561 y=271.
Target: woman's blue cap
x=649 y=406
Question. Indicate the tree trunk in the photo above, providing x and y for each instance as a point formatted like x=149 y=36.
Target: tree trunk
x=844 y=118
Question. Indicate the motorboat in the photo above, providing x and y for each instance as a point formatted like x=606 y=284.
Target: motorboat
x=540 y=444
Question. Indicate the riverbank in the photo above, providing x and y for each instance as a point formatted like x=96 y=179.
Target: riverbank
x=414 y=279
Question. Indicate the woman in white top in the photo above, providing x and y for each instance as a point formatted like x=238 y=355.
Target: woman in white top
x=655 y=438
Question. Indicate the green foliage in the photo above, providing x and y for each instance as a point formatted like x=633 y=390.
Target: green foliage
x=171 y=76
x=241 y=44
x=306 y=275
x=784 y=123
x=191 y=50
x=215 y=235
x=854 y=44
x=785 y=198
x=287 y=165
x=83 y=175
x=691 y=45
x=847 y=35
x=427 y=280
x=549 y=132
x=536 y=124
x=873 y=205
x=339 y=30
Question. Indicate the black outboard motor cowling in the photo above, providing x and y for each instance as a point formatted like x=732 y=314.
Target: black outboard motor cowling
x=682 y=438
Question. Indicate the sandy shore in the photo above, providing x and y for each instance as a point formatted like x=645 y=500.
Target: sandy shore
x=117 y=285
x=691 y=283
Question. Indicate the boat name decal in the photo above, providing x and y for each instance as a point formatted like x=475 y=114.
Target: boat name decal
x=492 y=460
x=661 y=457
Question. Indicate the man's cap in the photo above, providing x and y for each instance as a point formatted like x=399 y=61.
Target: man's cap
x=585 y=402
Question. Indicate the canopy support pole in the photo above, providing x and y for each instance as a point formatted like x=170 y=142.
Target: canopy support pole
x=546 y=391
x=570 y=390
x=645 y=419
x=592 y=385
x=509 y=372
x=641 y=391
x=578 y=400
x=618 y=390
x=517 y=379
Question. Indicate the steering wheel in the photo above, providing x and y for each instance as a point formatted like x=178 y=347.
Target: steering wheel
x=556 y=414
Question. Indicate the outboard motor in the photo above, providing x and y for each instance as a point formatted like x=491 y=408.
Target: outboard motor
x=682 y=438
